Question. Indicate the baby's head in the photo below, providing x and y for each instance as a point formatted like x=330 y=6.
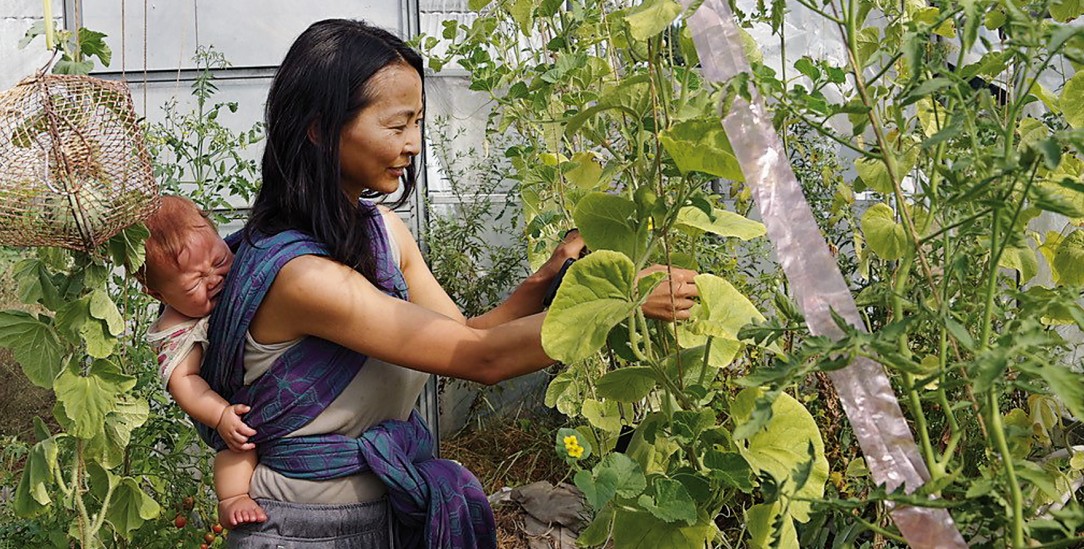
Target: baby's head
x=187 y=261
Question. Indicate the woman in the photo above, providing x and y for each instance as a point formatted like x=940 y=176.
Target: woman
x=316 y=329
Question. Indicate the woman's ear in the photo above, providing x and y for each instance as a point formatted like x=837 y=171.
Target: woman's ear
x=313 y=134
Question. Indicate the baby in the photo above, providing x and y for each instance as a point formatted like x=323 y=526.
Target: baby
x=185 y=269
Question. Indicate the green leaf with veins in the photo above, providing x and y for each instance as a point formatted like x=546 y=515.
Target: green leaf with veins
x=701 y=145
x=595 y=296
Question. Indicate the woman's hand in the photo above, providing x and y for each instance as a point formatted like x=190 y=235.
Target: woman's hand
x=570 y=247
x=672 y=299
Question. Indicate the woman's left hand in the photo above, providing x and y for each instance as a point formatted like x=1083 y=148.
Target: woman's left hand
x=671 y=299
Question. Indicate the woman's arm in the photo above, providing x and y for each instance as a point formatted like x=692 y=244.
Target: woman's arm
x=525 y=300
x=671 y=300
x=317 y=296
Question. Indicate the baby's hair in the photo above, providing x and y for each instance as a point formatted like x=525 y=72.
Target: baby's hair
x=170 y=226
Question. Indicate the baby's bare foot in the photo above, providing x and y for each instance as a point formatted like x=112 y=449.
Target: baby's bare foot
x=240 y=510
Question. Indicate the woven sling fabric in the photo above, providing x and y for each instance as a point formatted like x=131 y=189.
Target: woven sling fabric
x=437 y=503
x=74 y=167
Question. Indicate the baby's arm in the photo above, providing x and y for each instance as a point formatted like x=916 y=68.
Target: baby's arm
x=233 y=474
x=198 y=400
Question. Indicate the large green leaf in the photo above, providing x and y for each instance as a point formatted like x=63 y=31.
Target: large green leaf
x=87 y=400
x=721 y=222
x=563 y=393
x=608 y=222
x=103 y=308
x=651 y=18
x=701 y=145
x=669 y=501
x=731 y=468
x=128 y=247
x=522 y=12
x=603 y=415
x=584 y=171
x=781 y=447
x=32 y=494
x=595 y=295
x=76 y=320
x=1071 y=100
x=723 y=310
x=641 y=530
x=34 y=344
x=1067 y=384
x=1022 y=260
x=131 y=507
x=36 y=285
x=615 y=475
x=760 y=520
x=874 y=174
x=129 y=415
x=885 y=237
x=1066 y=10
x=629 y=384
x=1068 y=263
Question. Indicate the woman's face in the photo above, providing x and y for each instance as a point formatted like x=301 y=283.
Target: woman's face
x=376 y=147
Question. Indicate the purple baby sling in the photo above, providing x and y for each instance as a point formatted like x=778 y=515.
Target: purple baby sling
x=437 y=503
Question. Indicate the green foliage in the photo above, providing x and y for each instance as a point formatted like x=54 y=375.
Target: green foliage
x=614 y=134
x=954 y=156
x=124 y=453
x=197 y=156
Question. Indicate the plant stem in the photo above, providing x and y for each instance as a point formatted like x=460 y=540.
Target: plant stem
x=50 y=36
x=899 y=287
x=997 y=430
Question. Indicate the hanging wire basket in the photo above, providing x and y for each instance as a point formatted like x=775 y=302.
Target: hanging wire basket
x=74 y=168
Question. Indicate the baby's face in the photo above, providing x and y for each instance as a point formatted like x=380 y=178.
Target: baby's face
x=203 y=263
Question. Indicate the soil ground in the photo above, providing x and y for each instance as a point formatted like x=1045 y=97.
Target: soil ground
x=509 y=452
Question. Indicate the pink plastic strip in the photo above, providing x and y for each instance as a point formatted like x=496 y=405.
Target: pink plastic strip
x=863 y=387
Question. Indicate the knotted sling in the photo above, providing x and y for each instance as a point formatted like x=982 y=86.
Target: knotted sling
x=437 y=503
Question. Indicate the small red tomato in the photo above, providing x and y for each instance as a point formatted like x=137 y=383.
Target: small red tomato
x=180 y=521
x=204 y=546
x=209 y=537
x=217 y=528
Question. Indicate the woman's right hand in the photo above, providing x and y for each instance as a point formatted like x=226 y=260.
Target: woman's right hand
x=571 y=246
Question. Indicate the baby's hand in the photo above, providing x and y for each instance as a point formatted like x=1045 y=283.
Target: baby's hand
x=233 y=430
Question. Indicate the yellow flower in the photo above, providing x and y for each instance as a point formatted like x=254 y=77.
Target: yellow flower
x=572 y=446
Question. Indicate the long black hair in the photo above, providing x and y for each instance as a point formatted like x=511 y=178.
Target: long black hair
x=322 y=84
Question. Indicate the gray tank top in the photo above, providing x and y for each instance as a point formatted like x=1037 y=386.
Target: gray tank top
x=380 y=391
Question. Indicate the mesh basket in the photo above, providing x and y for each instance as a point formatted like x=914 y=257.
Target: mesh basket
x=74 y=168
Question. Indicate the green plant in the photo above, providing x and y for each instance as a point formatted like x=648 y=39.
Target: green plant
x=957 y=171
x=473 y=246
x=123 y=452
x=612 y=131
x=196 y=155
x=606 y=97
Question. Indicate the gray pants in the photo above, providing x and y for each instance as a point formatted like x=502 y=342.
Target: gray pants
x=300 y=526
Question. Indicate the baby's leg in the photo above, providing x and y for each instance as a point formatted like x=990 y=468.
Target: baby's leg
x=233 y=473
